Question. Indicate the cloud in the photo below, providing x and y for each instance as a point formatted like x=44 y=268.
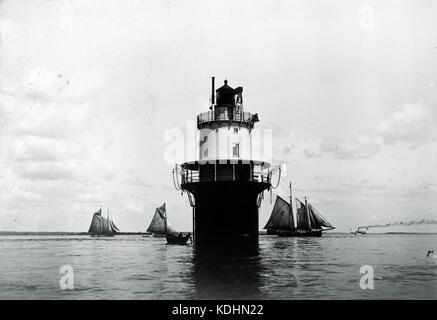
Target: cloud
x=35 y=106
x=45 y=170
x=287 y=150
x=43 y=84
x=51 y=147
x=309 y=154
x=350 y=146
x=137 y=182
x=278 y=132
x=9 y=30
x=410 y=125
x=364 y=184
x=322 y=200
x=319 y=178
x=31 y=148
x=425 y=186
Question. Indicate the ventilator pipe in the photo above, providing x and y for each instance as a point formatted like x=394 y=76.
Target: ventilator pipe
x=176 y=183
x=279 y=178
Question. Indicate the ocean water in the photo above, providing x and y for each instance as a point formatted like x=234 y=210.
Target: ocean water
x=140 y=267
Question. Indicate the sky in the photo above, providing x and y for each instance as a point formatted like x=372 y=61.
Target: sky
x=91 y=90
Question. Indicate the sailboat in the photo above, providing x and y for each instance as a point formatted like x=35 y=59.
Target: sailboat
x=310 y=223
x=101 y=226
x=281 y=219
x=162 y=228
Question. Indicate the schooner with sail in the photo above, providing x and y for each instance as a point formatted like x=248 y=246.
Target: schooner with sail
x=160 y=225
x=101 y=226
x=309 y=222
x=162 y=228
x=281 y=219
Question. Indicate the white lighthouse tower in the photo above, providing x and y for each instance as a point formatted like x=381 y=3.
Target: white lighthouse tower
x=225 y=132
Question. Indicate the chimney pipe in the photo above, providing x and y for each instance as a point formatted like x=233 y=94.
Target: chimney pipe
x=212 y=92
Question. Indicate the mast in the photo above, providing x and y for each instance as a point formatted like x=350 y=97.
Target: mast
x=109 y=223
x=290 y=210
x=165 y=221
x=101 y=221
x=212 y=93
x=101 y=226
x=291 y=198
x=308 y=213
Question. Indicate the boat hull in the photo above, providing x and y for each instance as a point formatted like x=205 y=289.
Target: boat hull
x=158 y=235
x=176 y=239
x=299 y=233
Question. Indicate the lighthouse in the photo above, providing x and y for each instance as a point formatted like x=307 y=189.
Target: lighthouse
x=225 y=184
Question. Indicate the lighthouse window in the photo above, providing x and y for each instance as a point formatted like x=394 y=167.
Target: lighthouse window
x=235 y=130
x=236 y=149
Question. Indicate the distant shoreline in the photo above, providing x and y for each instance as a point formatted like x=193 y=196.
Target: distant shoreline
x=261 y=233
x=59 y=233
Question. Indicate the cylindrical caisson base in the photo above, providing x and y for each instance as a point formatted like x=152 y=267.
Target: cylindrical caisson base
x=226 y=212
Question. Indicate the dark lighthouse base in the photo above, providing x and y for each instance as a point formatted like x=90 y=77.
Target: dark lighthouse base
x=226 y=212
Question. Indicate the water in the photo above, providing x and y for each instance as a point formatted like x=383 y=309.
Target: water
x=138 y=267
